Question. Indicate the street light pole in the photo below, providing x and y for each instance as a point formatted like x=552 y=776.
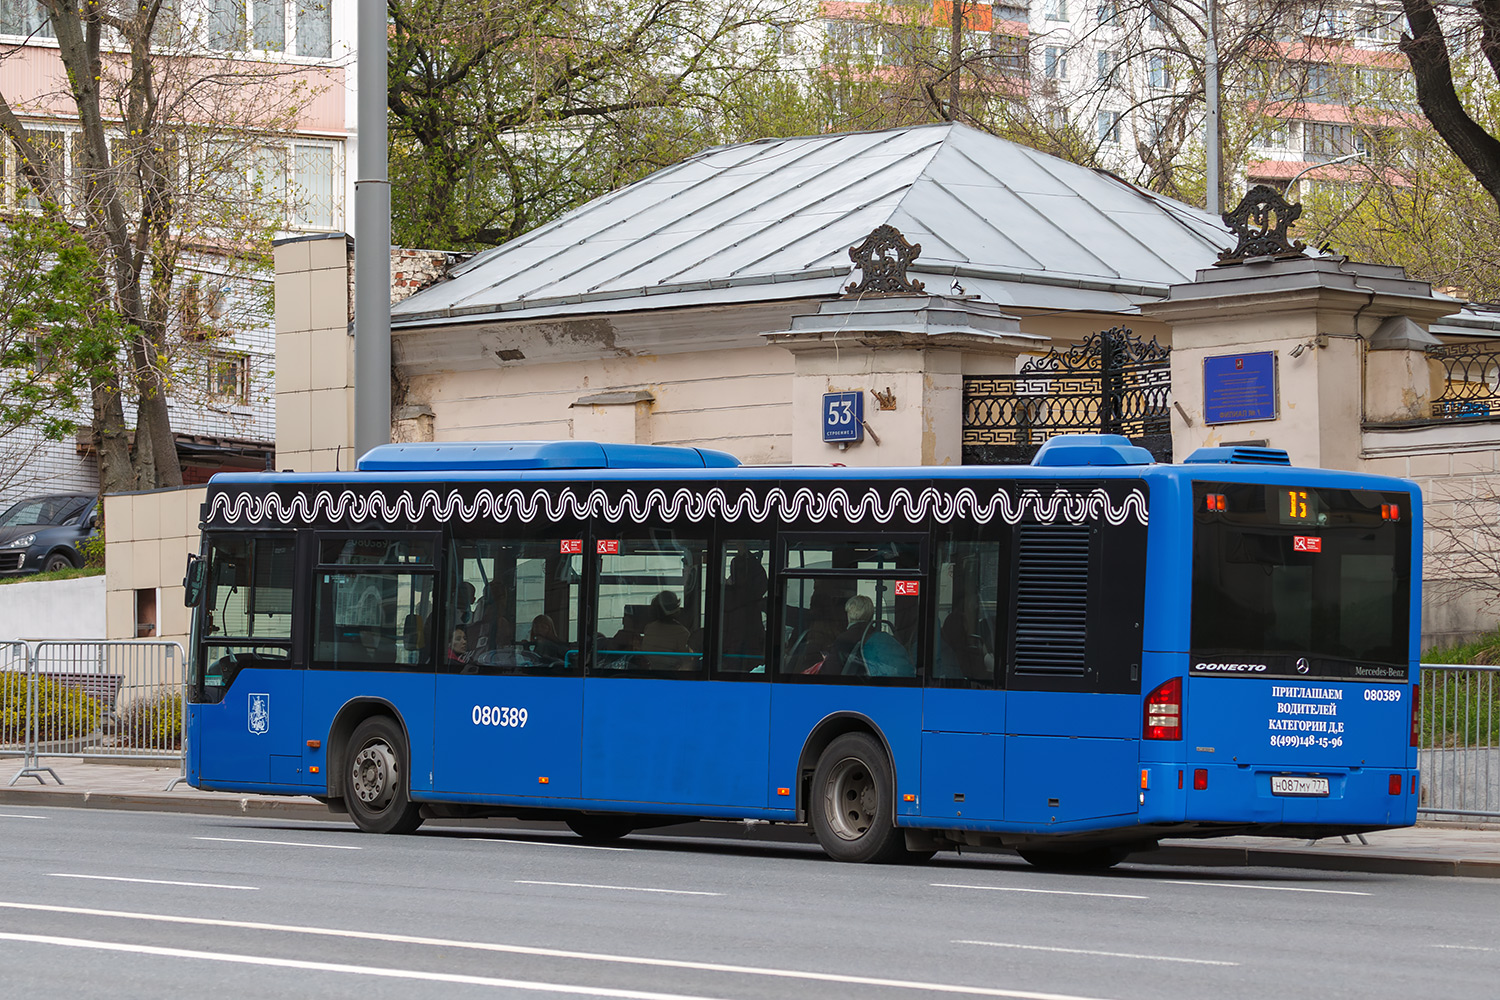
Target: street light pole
x=1318 y=166
x=1211 y=124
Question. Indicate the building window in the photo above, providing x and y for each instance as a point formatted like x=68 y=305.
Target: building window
x=1156 y=18
x=1056 y=10
x=1272 y=136
x=229 y=377
x=1323 y=139
x=1107 y=10
x=1106 y=67
x=1326 y=21
x=318 y=186
x=1109 y=127
x=1159 y=73
x=311 y=24
x=1008 y=53
x=24 y=18
x=1055 y=63
x=1011 y=11
x=1377 y=24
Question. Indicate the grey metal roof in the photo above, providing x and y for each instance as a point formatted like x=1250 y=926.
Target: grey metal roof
x=774 y=219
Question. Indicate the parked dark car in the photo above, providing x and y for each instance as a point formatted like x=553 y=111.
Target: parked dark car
x=43 y=533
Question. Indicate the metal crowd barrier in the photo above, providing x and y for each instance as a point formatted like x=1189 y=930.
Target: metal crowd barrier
x=1459 y=752
x=97 y=699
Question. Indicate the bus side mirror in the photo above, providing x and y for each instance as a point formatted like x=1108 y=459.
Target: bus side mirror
x=192 y=580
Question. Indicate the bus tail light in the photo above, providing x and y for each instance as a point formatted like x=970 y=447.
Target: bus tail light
x=1416 y=715
x=1164 y=712
x=1200 y=779
x=1395 y=784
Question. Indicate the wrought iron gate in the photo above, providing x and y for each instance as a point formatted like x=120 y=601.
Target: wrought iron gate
x=1112 y=383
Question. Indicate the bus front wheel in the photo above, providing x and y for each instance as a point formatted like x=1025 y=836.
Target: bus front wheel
x=853 y=802
x=375 y=791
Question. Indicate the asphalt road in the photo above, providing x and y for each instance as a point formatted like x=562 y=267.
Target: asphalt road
x=114 y=904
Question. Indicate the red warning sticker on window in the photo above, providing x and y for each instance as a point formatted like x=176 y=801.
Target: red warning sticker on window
x=1306 y=543
x=609 y=547
x=906 y=588
x=572 y=546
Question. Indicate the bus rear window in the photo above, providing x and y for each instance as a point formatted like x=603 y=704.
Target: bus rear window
x=1319 y=575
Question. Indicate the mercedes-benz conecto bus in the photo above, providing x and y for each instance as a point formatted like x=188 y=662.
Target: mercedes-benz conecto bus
x=1074 y=658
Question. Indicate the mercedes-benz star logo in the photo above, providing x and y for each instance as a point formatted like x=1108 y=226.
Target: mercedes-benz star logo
x=1302 y=665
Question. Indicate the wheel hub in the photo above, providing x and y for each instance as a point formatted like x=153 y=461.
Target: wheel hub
x=852 y=799
x=375 y=775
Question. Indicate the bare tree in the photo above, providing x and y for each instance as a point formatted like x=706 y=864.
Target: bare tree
x=165 y=154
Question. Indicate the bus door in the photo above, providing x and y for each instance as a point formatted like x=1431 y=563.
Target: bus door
x=510 y=680
x=963 y=709
x=373 y=611
x=677 y=704
x=247 y=714
x=851 y=645
x=1073 y=708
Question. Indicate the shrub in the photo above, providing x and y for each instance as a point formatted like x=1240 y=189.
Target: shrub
x=153 y=722
x=63 y=712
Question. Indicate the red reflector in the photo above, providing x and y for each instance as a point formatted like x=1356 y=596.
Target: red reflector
x=1164 y=712
x=1217 y=501
x=1395 y=784
x=1179 y=779
x=1413 y=788
x=1416 y=715
x=1200 y=778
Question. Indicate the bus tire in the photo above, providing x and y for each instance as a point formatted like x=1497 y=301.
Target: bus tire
x=375 y=771
x=596 y=829
x=852 y=802
x=1087 y=859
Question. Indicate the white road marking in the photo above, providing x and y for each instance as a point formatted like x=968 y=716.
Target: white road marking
x=546 y=843
x=153 y=881
x=1462 y=947
x=1271 y=888
x=19 y=816
x=1105 y=954
x=281 y=843
x=581 y=956
x=1046 y=892
x=622 y=888
x=352 y=970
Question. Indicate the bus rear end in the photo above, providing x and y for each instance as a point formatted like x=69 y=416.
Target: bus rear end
x=1297 y=713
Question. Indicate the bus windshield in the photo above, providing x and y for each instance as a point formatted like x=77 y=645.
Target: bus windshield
x=1319 y=574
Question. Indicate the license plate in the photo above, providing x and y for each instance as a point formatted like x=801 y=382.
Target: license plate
x=1283 y=784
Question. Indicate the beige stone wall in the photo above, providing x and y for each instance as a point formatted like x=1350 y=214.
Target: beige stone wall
x=736 y=401
x=147 y=540
x=314 y=356
x=1457 y=466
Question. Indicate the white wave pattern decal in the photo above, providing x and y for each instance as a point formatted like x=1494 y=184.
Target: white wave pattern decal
x=803 y=503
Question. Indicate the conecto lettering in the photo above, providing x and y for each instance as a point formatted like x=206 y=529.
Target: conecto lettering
x=1232 y=668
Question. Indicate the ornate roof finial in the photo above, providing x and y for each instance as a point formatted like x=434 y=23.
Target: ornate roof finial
x=1260 y=222
x=882 y=260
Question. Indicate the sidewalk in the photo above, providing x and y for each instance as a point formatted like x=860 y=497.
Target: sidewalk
x=1431 y=849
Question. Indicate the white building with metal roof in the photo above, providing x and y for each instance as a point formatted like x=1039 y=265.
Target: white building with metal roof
x=667 y=311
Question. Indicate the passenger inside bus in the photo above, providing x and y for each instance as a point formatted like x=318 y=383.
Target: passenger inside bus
x=545 y=643
x=458 y=652
x=863 y=649
x=665 y=635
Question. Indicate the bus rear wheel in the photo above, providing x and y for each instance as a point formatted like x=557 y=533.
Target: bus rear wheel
x=375 y=773
x=595 y=829
x=853 y=802
x=1088 y=859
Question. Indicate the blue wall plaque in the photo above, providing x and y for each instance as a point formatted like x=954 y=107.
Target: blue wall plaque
x=843 y=416
x=1239 y=387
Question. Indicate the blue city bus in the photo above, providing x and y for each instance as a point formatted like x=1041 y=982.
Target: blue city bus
x=1073 y=658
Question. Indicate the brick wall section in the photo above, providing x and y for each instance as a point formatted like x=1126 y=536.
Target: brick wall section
x=414 y=270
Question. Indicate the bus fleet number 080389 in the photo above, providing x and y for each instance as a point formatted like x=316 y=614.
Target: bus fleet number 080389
x=499 y=715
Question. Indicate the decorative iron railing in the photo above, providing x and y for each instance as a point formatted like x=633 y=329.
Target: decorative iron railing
x=1112 y=383
x=1471 y=380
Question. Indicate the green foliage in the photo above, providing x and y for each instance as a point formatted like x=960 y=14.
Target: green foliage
x=63 y=712
x=71 y=573
x=153 y=722
x=58 y=334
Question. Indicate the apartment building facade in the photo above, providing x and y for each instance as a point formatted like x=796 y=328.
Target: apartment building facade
x=222 y=389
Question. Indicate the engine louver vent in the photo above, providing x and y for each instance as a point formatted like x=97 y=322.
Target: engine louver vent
x=1052 y=600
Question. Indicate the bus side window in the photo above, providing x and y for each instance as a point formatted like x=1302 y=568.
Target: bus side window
x=650 y=595
x=372 y=596
x=964 y=611
x=512 y=605
x=744 y=601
